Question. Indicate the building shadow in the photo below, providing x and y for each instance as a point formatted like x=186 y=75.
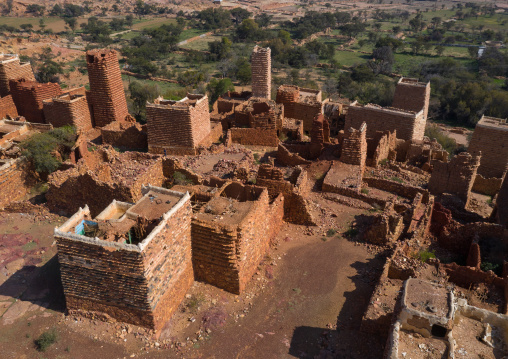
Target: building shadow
x=347 y=340
x=38 y=285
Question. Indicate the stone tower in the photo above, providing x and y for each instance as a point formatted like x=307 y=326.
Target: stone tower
x=261 y=72
x=106 y=95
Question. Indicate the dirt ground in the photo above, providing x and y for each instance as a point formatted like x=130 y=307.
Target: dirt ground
x=306 y=300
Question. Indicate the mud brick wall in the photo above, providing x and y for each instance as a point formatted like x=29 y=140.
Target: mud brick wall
x=456 y=177
x=16 y=180
x=400 y=189
x=262 y=116
x=354 y=146
x=255 y=136
x=227 y=256
x=304 y=112
x=98 y=186
x=178 y=124
x=226 y=103
x=412 y=96
x=488 y=186
x=29 y=96
x=409 y=125
x=7 y=107
x=14 y=70
x=125 y=135
x=107 y=95
x=381 y=147
x=167 y=265
x=501 y=210
x=67 y=110
x=261 y=64
x=493 y=144
x=296 y=206
x=104 y=279
x=286 y=158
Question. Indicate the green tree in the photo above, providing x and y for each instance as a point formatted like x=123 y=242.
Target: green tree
x=247 y=30
x=71 y=22
x=140 y=93
x=244 y=72
x=217 y=87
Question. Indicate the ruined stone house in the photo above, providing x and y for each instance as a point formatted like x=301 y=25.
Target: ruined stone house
x=300 y=104
x=177 y=127
x=12 y=69
x=69 y=109
x=7 y=107
x=100 y=177
x=132 y=262
x=490 y=137
x=106 y=96
x=412 y=95
x=29 y=96
x=455 y=177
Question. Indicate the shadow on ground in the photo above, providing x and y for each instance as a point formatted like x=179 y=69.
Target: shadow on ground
x=38 y=285
x=347 y=341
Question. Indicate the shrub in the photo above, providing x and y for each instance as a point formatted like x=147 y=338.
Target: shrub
x=365 y=191
x=426 y=255
x=41 y=148
x=397 y=179
x=448 y=143
x=331 y=232
x=46 y=339
x=181 y=179
x=351 y=232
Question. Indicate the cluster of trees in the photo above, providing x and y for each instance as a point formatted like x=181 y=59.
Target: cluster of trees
x=151 y=45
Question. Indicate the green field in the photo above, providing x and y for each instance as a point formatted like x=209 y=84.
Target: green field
x=54 y=23
x=151 y=23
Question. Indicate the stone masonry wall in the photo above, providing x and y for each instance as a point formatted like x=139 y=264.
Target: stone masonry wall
x=125 y=135
x=13 y=70
x=456 y=177
x=68 y=110
x=107 y=95
x=412 y=95
x=167 y=265
x=15 y=180
x=409 y=125
x=493 y=144
x=501 y=209
x=354 y=146
x=261 y=72
x=7 y=107
x=178 y=124
x=228 y=255
x=29 y=96
x=254 y=136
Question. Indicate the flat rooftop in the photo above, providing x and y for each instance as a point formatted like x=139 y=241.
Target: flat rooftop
x=154 y=204
x=427 y=298
x=225 y=211
x=493 y=122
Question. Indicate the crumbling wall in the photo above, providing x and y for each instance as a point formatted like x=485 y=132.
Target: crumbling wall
x=488 y=186
x=381 y=148
x=68 y=110
x=500 y=212
x=456 y=177
x=412 y=95
x=12 y=69
x=7 y=107
x=408 y=124
x=296 y=206
x=106 y=95
x=29 y=96
x=354 y=146
x=16 y=180
x=226 y=103
x=98 y=180
x=303 y=109
x=286 y=158
x=261 y=72
x=125 y=135
x=490 y=137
